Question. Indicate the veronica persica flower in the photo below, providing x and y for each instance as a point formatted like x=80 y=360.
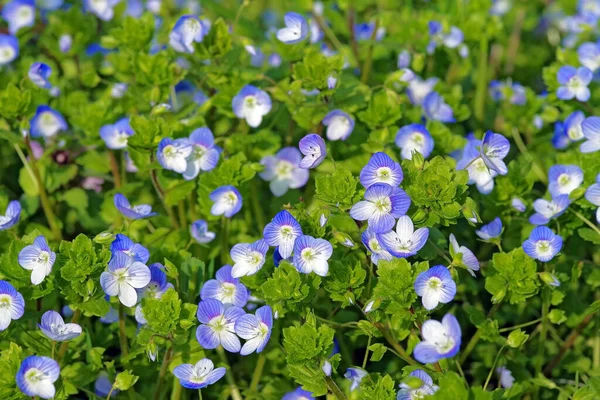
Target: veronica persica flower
x=282 y=232
x=199 y=231
x=103 y=9
x=283 y=171
x=116 y=135
x=36 y=376
x=225 y=288
x=382 y=205
x=39 y=74
x=54 y=327
x=103 y=386
x=132 y=212
x=172 y=154
x=418 y=89
x=479 y=173
x=468 y=258
x=435 y=286
x=298 y=394
x=12 y=304
x=440 y=340
x=574 y=83
x=19 y=14
x=47 y=122
x=542 y=244
x=355 y=375
x=314 y=150
x=65 y=41
x=436 y=109
x=312 y=255
x=547 y=210
x=589 y=55
x=404 y=59
x=451 y=39
x=296 y=29
x=518 y=204
x=591 y=131
x=426 y=389
x=227 y=201
x=490 y=231
x=563 y=179
x=200 y=375
x=11 y=215
x=414 y=137
x=569 y=131
x=381 y=169
x=255 y=329
x=37 y=258
x=157 y=286
x=187 y=30
x=404 y=241
x=505 y=377
x=122 y=244
x=339 y=125
x=371 y=242
x=494 y=148
x=217 y=325
x=251 y=104
x=123 y=277
x=592 y=194
x=248 y=258
x=204 y=155
x=9 y=48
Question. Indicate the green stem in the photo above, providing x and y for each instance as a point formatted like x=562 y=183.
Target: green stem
x=481 y=86
x=53 y=349
x=110 y=393
x=475 y=338
x=543 y=331
x=161 y=196
x=353 y=43
x=163 y=372
x=523 y=325
x=122 y=331
x=330 y=34
x=364 y=364
x=199 y=394
x=440 y=252
x=224 y=239
x=114 y=166
x=182 y=216
x=235 y=392
x=177 y=389
x=487 y=381
x=258 y=369
x=258 y=211
x=586 y=221
x=366 y=70
x=392 y=341
x=335 y=389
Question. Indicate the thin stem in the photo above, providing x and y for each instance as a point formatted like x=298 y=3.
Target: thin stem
x=460 y=371
x=114 y=166
x=162 y=373
x=513 y=43
x=364 y=364
x=543 y=331
x=523 y=325
x=26 y=164
x=475 y=338
x=335 y=389
x=200 y=394
x=258 y=211
x=224 y=239
x=258 y=369
x=392 y=341
x=235 y=392
x=53 y=349
x=122 y=332
x=487 y=381
x=586 y=221
x=481 y=86
x=244 y=4
x=192 y=206
x=366 y=70
x=523 y=149
x=161 y=195
x=440 y=252
x=330 y=34
x=65 y=345
x=182 y=216
x=110 y=393
x=353 y=42
x=177 y=389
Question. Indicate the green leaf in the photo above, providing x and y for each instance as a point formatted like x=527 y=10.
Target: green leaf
x=381 y=388
x=396 y=281
x=162 y=314
x=13 y=101
x=125 y=380
x=378 y=351
x=218 y=41
x=382 y=111
x=557 y=316
x=10 y=361
x=517 y=338
x=452 y=387
x=345 y=279
x=515 y=273
x=336 y=189
x=315 y=68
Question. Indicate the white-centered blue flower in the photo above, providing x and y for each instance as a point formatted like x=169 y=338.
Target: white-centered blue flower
x=440 y=340
x=589 y=55
x=65 y=41
x=116 y=135
x=314 y=149
x=382 y=205
x=371 y=242
x=248 y=258
x=135 y=251
x=103 y=386
x=469 y=260
x=47 y=122
x=118 y=90
x=479 y=173
x=37 y=258
x=494 y=148
x=11 y=215
x=355 y=375
x=426 y=389
x=103 y=9
x=592 y=194
x=436 y=108
x=54 y=327
x=591 y=132
x=563 y=179
x=296 y=29
x=339 y=125
x=9 y=48
x=227 y=201
x=251 y=104
x=381 y=169
x=172 y=154
x=19 y=14
x=418 y=89
x=518 y=204
x=217 y=325
x=282 y=232
x=312 y=255
x=574 y=83
x=283 y=171
x=549 y=209
x=491 y=231
x=200 y=375
x=36 y=376
x=133 y=212
x=199 y=231
x=123 y=277
x=542 y=244
x=39 y=73
x=12 y=304
x=225 y=288
x=404 y=241
x=204 y=155
x=450 y=39
x=435 y=286
x=298 y=394
x=505 y=377
x=187 y=30
x=255 y=329
x=414 y=137
x=157 y=286
x=570 y=131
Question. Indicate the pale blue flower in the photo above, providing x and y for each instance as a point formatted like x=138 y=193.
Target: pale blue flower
x=468 y=258
x=382 y=205
x=225 y=288
x=227 y=201
x=574 y=83
x=65 y=41
x=11 y=215
x=314 y=150
x=592 y=194
x=37 y=258
x=54 y=327
x=298 y=394
x=200 y=375
x=371 y=242
x=381 y=169
x=103 y=9
x=563 y=179
x=518 y=204
x=255 y=329
x=187 y=30
x=491 y=231
x=426 y=389
x=404 y=241
x=440 y=340
x=39 y=74
x=296 y=29
x=282 y=232
x=436 y=109
x=251 y=104
x=123 y=277
x=312 y=255
x=283 y=171
x=199 y=231
x=172 y=154
x=542 y=244
x=248 y=258
x=414 y=137
x=355 y=375
x=103 y=386
x=12 y=304
x=19 y=14
x=217 y=325
x=547 y=210
x=36 y=376
x=591 y=131
x=435 y=286
x=339 y=125
x=47 y=122
x=116 y=135
x=122 y=244
x=157 y=286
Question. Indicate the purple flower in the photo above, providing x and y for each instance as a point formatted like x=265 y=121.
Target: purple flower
x=248 y=258
x=418 y=89
x=204 y=155
x=569 y=131
x=217 y=325
x=365 y=31
x=298 y=394
x=592 y=194
x=12 y=304
x=591 y=131
x=312 y=255
x=47 y=122
x=381 y=169
x=282 y=232
x=491 y=231
x=542 y=244
x=414 y=137
x=518 y=204
x=505 y=377
x=65 y=41
x=339 y=125
x=9 y=48
x=574 y=83
x=404 y=241
x=451 y=40
x=123 y=277
x=251 y=104
x=371 y=242
x=225 y=288
x=547 y=210
x=404 y=58
x=435 y=286
x=589 y=55
x=468 y=258
x=122 y=244
x=296 y=29
x=382 y=205
x=479 y=173
x=54 y=327
x=36 y=376
x=116 y=136
x=39 y=74
x=494 y=148
x=11 y=215
x=37 y=258
x=440 y=340
x=436 y=109
x=283 y=171
x=132 y=212
x=103 y=385
x=172 y=154
x=563 y=179
x=227 y=201
x=200 y=375
x=255 y=329
x=19 y=14
x=314 y=150
x=426 y=389
x=187 y=30
x=355 y=375
x=199 y=231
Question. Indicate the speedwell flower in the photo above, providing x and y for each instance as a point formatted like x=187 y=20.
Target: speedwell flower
x=12 y=304
x=116 y=135
x=187 y=30
x=371 y=242
x=339 y=125
x=296 y=29
x=225 y=288
x=19 y=14
x=157 y=286
x=404 y=241
x=563 y=179
x=122 y=244
x=574 y=83
x=39 y=73
x=256 y=329
x=547 y=210
x=382 y=205
x=418 y=89
x=251 y=104
x=355 y=375
x=172 y=154
x=414 y=137
x=123 y=277
x=248 y=258
x=36 y=376
x=436 y=108
x=47 y=122
x=542 y=244
x=282 y=232
x=314 y=150
x=11 y=215
x=591 y=131
x=490 y=231
x=132 y=212
x=200 y=375
x=592 y=194
x=312 y=255
x=381 y=169
x=227 y=201
x=54 y=327
x=468 y=258
x=37 y=258
x=283 y=171
x=9 y=48
x=199 y=231
x=440 y=340
x=217 y=325
x=204 y=155
x=435 y=286
x=298 y=394
x=426 y=389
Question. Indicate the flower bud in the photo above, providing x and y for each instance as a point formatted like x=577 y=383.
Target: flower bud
x=549 y=279
x=104 y=238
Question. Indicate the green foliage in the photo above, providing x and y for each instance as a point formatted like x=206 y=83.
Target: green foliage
x=336 y=189
x=512 y=277
x=163 y=313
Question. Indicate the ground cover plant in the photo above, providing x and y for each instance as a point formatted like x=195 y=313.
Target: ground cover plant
x=369 y=199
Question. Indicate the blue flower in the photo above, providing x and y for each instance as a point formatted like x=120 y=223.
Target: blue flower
x=404 y=59
x=479 y=173
x=248 y=258
x=366 y=30
x=50 y=5
x=227 y=201
x=116 y=135
x=9 y=49
x=591 y=131
x=518 y=204
x=542 y=244
x=574 y=83
x=65 y=41
x=283 y=171
x=251 y=104
x=500 y=7
x=316 y=34
x=103 y=9
x=569 y=131
x=282 y=232
x=440 y=340
x=426 y=389
x=414 y=137
x=225 y=288
x=103 y=386
x=505 y=377
x=435 y=286
x=199 y=231
x=36 y=376
x=381 y=169
x=418 y=89
x=589 y=55
x=314 y=150
x=592 y=194
x=122 y=244
x=468 y=258
x=355 y=375
x=39 y=74
x=563 y=179
x=118 y=90
x=204 y=155
x=135 y=212
x=172 y=154
x=451 y=40
x=339 y=125
x=123 y=277
x=371 y=242
x=54 y=327
x=298 y=394
x=187 y=30
x=217 y=325
x=200 y=375
x=490 y=231
x=13 y=304
x=257 y=58
x=37 y=258
x=404 y=242
x=436 y=109
x=47 y=122
x=255 y=329
x=135 y=8
x=296 y=29
x=382 y=205
x=11 y=215
x=19 y=14
x=493 y=150
x=157 y=286
x=547 y=210
x=275 y=60
x=312 y=255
